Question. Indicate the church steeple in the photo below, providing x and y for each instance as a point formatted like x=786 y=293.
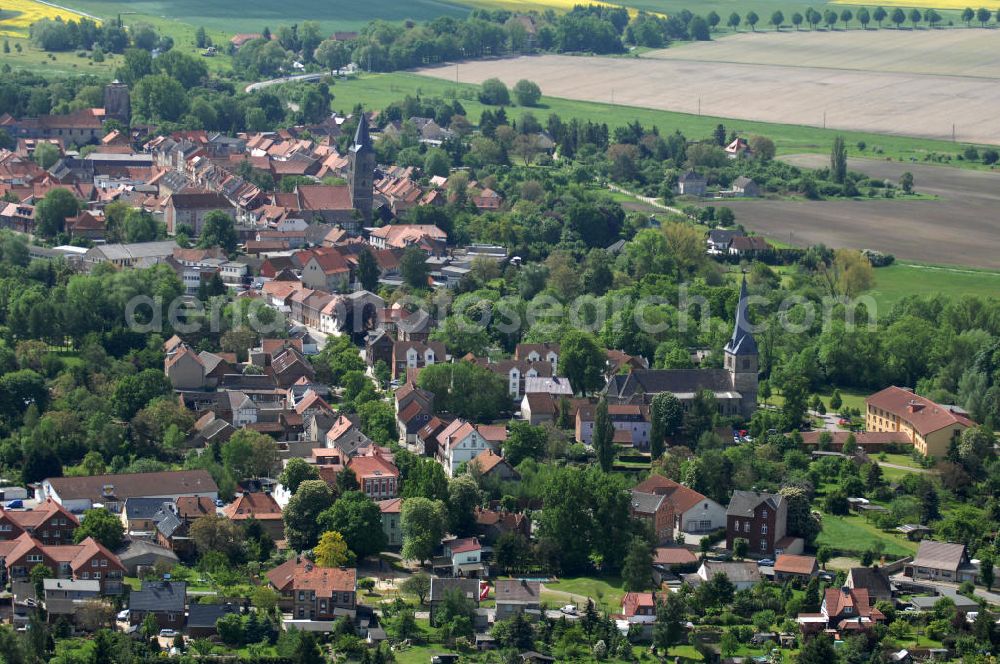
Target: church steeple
x=362 y=137
x=742 y=341
x=361 y=177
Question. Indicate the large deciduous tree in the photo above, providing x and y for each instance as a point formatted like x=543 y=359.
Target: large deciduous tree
x=301 y=515
x=359 y=521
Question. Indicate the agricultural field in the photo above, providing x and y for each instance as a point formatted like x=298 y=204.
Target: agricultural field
x=871 y=101
x=379 y=90
x=17 y=15
x=963 y=51
x=957 y=228
x=232 y=16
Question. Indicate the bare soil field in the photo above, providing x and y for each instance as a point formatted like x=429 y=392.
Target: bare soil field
x=965 y=52
x=859 y=97
x=962 y=227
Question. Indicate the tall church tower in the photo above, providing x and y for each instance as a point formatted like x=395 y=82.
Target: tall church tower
x=361 y=177
x=117 y=103
x=742 y=356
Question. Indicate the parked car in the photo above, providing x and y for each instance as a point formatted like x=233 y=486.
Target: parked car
x=15 y=505
x=168 y=633
x=765 y=562
x=569 y=610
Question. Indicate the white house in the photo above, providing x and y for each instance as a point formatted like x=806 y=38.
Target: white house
x=466 y=556
x=461 y=442
x=81 y=493
x=742 y=575
x=243 y=408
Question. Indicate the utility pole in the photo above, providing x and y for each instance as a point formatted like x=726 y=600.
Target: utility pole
x=699 y=105
x=824 y=119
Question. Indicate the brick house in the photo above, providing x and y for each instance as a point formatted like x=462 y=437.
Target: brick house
x=378 y=478
x=670 y=507
x=757 y=517
x=86 y=561
x=49 y=523
x=311 y=592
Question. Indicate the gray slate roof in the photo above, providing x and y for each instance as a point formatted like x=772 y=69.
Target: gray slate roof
x=140 y=549
x=646 y=503
x=146 y=508
x=655 y=381
x=159 y=596
x=206 y=615
x=736 y=572
x=440 y=586
x=939 y=555
x=743 y=503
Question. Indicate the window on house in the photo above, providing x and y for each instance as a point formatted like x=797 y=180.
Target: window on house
x=763 y=529
x=763 y=545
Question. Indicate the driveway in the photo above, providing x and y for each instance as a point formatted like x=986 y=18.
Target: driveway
x=993 y=597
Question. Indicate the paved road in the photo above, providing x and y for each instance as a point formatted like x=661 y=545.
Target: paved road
x=298 y=78
x=991 y=597
x=909 y=469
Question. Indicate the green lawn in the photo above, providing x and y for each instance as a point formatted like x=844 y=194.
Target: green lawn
x=900 y=460
x=253 y=15
x=378 y=90
x=57 y=64
x=900 y=279
x=853 y=533
x=604 y=591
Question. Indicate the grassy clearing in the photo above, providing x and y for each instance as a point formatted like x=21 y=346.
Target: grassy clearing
x=900 y=460
x=56 y=64
x=234 y=16
x=853 y=533
x=379 y=90
x=606 y=592
x=895 y=282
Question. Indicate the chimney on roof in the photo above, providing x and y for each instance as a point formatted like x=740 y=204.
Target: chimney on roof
x=914 y=406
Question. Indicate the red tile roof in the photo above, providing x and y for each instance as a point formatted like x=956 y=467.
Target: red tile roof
x=300 y=574
x=787 y=563
x=260 y=506
x=923 y=414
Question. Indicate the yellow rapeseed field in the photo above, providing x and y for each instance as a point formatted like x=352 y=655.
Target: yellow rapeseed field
x=17 y=15
x=921 y=4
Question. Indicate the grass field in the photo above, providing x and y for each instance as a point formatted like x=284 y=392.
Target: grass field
x=17 y=15
x=895 y=282
x=853 y=533
x=232 y=16
x=60 y=64
x=605 y=591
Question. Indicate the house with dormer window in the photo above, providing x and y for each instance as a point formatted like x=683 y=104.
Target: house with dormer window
x=416 y=355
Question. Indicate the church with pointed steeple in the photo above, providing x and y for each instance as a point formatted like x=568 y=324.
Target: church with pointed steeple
x=361 y=176
x=734 y=386
x=742 y=356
